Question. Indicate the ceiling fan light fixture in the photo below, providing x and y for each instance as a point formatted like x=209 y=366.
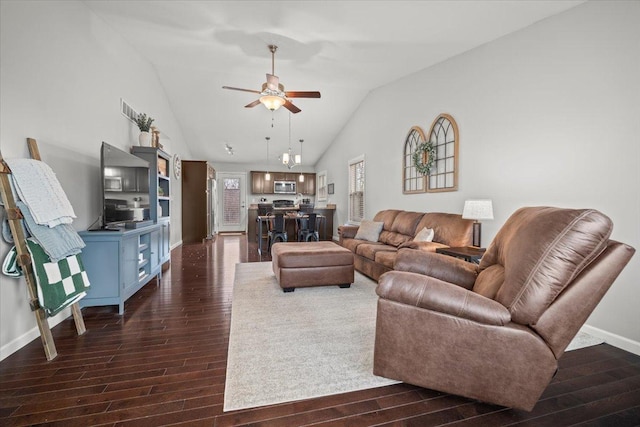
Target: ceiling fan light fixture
x=272 y=102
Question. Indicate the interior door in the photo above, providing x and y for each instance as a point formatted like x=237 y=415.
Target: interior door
x=231 y=194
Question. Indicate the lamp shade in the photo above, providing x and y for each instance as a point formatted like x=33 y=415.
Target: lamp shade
x=477 y=209
x=272 y=102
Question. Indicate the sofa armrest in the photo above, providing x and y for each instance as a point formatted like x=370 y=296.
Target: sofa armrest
x=443 y=267
x=347 y=231
x=433 y=294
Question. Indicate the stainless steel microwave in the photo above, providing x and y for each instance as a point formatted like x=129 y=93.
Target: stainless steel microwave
x=284 y=187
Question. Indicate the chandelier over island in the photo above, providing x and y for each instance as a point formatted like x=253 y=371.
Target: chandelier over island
x=289 y=159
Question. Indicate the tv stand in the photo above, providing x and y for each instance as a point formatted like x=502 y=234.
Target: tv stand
x=120 y=262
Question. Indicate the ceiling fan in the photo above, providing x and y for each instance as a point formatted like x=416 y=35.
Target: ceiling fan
x=273 y=95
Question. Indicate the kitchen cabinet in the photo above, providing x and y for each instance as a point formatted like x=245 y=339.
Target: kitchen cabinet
x=308 y=187
x=259 y=185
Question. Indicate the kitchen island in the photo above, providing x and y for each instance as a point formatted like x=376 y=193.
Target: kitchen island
x=326 y=229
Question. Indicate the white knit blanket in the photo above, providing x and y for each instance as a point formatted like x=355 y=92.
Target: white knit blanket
x=37 y=186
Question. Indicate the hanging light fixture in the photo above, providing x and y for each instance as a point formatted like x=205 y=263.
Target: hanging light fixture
x=267 y=176
x=299 y=160
x=273 y=91
x=272 y=102
x=288 y=159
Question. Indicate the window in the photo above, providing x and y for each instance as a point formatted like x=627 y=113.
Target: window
x=321 y=182
x=356 y=190
x=443 y=141
x=412 y=180
x=444 y=137
x=231 y=202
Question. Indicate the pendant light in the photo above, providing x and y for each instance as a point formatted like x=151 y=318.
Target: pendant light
x=299 y=160
x=267 y=176
x=288 y=159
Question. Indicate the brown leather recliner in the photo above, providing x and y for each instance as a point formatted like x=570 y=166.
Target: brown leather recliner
x=495 y=332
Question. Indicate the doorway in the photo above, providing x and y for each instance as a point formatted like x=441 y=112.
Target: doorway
x=231 y=195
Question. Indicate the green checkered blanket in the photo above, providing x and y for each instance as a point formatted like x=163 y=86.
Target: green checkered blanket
x=59 y=284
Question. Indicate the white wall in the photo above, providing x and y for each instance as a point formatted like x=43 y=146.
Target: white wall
x=548 y=115
x=62 y=74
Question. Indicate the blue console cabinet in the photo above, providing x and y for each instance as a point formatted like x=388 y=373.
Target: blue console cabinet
x=119 y=263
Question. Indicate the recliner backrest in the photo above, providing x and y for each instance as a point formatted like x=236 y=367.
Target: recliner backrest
x=449 y=229
x=402 y=229
x=536 y=254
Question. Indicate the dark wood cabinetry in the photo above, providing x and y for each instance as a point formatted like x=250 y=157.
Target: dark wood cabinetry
x=198 y=210
x=260 y=185
x=326 y=229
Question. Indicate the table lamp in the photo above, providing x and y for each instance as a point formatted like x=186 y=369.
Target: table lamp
x=477 y=210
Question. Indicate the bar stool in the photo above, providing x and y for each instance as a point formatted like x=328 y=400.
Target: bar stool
x=308 y=228
x=277 y=231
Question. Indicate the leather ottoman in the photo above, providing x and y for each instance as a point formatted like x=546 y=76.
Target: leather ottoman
x=305 y=264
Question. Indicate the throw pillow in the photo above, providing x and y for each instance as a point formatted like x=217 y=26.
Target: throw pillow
x=369 y=230
x=425 y=235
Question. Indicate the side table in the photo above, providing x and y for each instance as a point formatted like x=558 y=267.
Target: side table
x=467 y=253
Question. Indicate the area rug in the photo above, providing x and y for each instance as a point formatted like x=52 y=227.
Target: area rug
x=304 y=344
x=299 y=345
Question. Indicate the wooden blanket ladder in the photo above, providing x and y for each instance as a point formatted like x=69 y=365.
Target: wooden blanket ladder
x=24 y=259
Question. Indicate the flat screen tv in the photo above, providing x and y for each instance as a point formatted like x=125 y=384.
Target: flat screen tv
x=125 y=188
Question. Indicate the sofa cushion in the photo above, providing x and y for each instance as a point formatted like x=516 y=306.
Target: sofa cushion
x=423 y=246
x=387 y=216
x=369 y=249
x=392 y=238
x=369 y=230
x=542 y=250
x=402 y=229
x=449 y=229
x=352 y=244
x=386 y=258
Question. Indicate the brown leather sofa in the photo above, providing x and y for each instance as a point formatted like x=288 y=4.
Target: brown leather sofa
x=495 y=332
x=399 y=228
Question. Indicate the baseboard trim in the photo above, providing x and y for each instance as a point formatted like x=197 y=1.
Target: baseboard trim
x=34 y=333
x=613 y=339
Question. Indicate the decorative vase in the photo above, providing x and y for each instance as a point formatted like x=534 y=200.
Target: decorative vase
x=144 y=139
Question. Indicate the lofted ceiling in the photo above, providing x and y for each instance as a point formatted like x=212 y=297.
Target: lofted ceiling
x=344 y=49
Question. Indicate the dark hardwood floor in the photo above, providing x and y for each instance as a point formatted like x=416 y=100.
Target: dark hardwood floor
x=163 y=363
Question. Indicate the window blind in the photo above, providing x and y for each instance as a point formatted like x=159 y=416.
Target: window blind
x=356 y=190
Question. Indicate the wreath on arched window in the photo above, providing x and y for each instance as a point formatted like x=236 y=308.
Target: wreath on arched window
x=424 y=167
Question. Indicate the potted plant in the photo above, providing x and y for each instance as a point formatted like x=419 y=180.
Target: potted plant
x=144 y=124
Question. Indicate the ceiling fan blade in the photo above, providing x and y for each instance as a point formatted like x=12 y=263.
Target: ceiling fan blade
x=272 y=82
x=243 y=90
x=302 y=94
x=253 y=104
x=289 y=106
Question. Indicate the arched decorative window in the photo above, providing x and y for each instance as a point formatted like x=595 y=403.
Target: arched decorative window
x=412 y=180
x=444 y=138
x=431 y=165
